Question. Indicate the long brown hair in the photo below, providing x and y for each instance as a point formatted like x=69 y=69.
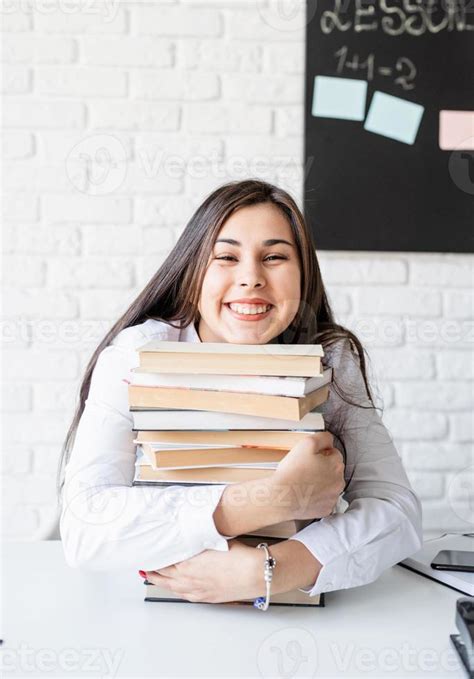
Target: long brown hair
x=172 y=294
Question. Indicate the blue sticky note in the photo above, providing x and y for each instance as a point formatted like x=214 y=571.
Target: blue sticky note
x=339 y=98
x=393 y=117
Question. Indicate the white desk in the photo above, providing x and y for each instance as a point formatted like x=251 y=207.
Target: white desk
x=60 y=621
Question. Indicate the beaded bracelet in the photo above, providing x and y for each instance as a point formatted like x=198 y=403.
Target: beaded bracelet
x=261 y=602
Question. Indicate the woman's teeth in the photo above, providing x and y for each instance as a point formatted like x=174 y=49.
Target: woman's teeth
x=250 y=308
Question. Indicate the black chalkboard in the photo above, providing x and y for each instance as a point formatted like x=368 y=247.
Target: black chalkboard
x=368 y=191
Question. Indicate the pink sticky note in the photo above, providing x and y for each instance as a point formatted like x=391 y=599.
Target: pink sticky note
x=456 y=130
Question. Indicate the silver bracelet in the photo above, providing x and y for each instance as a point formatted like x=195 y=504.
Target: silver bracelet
x=262 y=603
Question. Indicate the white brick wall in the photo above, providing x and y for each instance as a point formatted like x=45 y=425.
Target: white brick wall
x=186 y=94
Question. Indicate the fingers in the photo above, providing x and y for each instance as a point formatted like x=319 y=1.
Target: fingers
x=322 y=440
x=183 y=590
x=167 y=571
x=332 y=451
x=161 y=580
x=335 y=454
x=171 y=584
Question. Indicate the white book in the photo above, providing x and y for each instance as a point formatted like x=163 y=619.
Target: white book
x=204 y=420
x=161 y=445
x=265 y=384
x=164 y=346
x=421 y=562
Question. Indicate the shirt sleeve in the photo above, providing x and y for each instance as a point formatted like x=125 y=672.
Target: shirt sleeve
x=382 y=523
x=106 y=523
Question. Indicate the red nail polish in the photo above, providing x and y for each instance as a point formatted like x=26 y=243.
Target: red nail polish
x=142 y=574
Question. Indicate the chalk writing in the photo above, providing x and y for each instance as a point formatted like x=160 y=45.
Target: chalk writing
x=404 y=68
x=405 y=17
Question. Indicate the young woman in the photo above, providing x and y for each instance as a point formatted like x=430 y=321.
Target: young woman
x=243 y=271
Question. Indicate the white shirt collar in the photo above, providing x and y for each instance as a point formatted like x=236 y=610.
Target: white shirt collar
x=189 y=334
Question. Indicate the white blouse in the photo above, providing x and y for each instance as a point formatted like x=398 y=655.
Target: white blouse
x=106 y=523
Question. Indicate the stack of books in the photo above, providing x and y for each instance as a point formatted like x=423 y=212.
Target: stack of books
x=219 y=413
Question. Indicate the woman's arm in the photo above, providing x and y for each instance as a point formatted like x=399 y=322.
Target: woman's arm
x=296 y=568
x=106 y=523
x=249 y=506
x=382 y=524
x=286 y=494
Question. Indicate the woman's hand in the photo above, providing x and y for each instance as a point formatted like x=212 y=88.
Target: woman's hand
x=215 y=577
x=311 y=477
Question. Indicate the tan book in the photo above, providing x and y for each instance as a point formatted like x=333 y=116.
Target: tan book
x=279 y=440
x=206 y=475
x=262 y=405
x=224 y=358
x=210 y=457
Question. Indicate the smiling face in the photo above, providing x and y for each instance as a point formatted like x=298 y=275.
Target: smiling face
x=248 y=269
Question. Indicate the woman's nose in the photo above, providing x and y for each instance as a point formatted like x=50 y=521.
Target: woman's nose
x=251 y=275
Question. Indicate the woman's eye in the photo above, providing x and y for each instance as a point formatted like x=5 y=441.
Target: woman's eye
x=227 y=257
